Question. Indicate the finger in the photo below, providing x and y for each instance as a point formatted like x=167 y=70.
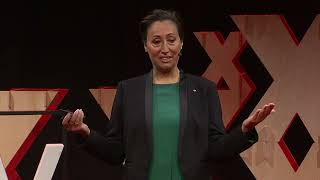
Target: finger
x=251 y=121
x=271 y=106
x=265 y=112
x=270 y=109
x=257 y=112
x=79 y=117
x=255 y=116
x=82 y=116
x=66 y=119
x=261 y=115
x=74 y=117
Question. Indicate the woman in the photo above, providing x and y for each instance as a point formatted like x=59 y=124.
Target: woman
x=166 y=125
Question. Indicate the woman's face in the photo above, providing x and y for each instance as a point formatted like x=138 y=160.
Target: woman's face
x=163 y=45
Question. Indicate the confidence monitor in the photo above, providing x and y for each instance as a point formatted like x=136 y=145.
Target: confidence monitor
x=48 y=162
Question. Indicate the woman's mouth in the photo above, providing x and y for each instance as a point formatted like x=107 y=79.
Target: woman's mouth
x=165 y=59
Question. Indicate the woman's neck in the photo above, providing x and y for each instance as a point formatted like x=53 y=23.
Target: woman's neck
x=167 y=77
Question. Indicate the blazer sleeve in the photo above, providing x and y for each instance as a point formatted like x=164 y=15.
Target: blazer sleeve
x=110 y=147
x=221 y=144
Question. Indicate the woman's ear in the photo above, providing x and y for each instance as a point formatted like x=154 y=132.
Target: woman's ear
x=145 y=48
x=180 y=54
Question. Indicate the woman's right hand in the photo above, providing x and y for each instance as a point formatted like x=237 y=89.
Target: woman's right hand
x=74 y=122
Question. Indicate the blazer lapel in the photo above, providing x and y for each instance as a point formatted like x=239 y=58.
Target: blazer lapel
x=148 y=109
x=183 y=90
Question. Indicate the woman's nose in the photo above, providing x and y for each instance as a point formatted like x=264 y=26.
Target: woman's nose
x=164 y=48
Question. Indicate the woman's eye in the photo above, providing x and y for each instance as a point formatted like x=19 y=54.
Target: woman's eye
x=156 y=41
x=171 y=40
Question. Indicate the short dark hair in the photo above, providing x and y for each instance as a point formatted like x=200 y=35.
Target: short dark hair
x=160 y=15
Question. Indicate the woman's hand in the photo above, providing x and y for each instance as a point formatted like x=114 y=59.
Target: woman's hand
x=258 y=117
x=74 y=122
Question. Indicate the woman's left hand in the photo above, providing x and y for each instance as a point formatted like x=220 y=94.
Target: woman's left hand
x=257 y=117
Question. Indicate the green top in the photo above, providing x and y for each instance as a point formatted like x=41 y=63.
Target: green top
x=165 y=124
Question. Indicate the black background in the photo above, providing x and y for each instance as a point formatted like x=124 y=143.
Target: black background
x=87 y=44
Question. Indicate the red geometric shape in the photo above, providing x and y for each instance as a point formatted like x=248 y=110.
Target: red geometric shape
x=222 y=84
x=11 y=167
x=297 y=25
x=244 y=76
x=232 y=46
x=296 y=142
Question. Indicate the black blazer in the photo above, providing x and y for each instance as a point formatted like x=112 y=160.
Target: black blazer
x=202 y=136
